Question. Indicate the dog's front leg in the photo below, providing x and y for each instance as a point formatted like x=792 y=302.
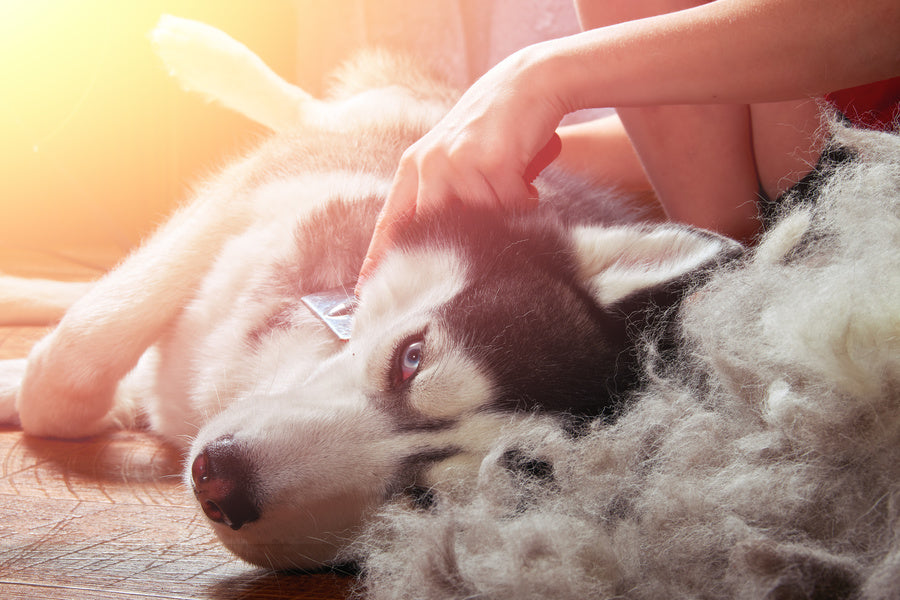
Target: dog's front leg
x=71 y=377
x=11 y=372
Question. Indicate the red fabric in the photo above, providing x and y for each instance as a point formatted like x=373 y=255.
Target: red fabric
x=874 y=105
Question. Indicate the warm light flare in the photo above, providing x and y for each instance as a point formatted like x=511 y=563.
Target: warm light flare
x=97 y=144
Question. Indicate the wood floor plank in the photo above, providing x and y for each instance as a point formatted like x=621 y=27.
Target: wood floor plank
x=111 y=514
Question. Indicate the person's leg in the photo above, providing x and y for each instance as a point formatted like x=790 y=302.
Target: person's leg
x=709 y=164
x=600 y=149
x=788 y=138
x=698 y=158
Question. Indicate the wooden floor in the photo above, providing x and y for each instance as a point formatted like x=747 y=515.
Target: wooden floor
x=109 y=518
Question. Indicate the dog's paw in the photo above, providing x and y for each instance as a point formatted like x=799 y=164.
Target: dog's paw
x=61 y=395
x=11 y=372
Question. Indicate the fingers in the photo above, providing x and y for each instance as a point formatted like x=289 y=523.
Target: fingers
x=429 y=177
x=543 y=158
x=445 y=180
x=399 y=209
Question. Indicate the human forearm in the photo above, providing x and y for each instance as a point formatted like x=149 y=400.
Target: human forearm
x=484 y=151
x=728 y=51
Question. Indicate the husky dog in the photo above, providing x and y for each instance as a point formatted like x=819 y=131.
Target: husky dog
x=292 y=438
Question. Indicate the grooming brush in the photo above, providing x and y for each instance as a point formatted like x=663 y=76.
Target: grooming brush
x=335 y=308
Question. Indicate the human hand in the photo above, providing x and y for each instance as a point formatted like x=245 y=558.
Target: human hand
x=485 y=152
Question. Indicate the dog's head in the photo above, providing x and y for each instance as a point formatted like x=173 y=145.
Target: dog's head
x=470 y=322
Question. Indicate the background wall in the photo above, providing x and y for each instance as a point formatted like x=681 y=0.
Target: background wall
x=97 y=143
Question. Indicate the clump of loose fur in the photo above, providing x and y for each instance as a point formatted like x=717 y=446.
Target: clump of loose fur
x=765 y=463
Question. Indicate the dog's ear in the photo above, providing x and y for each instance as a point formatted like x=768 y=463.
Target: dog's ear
x=618 y=263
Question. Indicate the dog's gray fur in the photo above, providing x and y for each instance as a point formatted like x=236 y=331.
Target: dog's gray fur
x=765 y=463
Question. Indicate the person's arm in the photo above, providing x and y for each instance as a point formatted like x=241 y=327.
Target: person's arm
x=727 y=51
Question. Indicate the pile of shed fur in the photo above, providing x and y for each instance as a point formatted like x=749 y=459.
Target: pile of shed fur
x=763 y=463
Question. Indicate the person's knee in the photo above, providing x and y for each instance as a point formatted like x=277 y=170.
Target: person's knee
x=600 y=13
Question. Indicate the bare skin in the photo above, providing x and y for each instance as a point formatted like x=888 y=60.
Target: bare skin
x=708 y=163
x=736 y=75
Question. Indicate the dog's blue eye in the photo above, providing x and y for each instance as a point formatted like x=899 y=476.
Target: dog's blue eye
x=409 y=360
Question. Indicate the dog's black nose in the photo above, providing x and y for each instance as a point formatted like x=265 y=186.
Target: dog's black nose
x=223 y=483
